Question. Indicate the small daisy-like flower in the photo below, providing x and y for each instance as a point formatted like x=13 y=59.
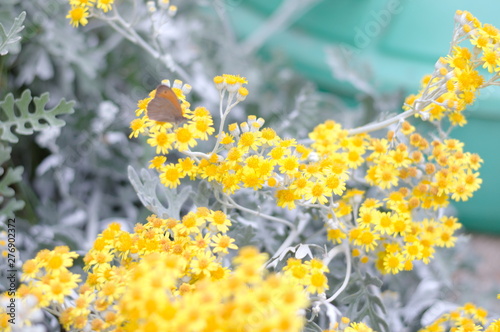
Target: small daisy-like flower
x=188 y=167
x=386 y=176
x=219 y=220
x=30 y=269
x=219 y=273
x=226 y=139
x=393 y=262
x=234 y=79
x=105 y=5
x=251 y=178
x=250 y=140
x=231 y=183
x=222 y=243
x=171 y=175
x=317 y=192
x=185 y=137
x=335 y=183
x=78 y=16
x=158 y=162
x=289 y=165
x=336 y=235
x=317 y=283
x=138 y=126
x=203 y=264
x=142 y=106
x=201 y=241
x=286 y=198
x=203 y=128
x=163 y=141
x=191 y=223
x=367 y=239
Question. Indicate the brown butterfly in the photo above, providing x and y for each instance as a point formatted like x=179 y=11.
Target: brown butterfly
x=165 y=107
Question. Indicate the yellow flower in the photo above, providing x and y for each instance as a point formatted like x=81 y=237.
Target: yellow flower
x=316 y=264
x=317 y=283
x=187 y=167
x=251 y=179
x=399 y=157
x=289 y=165
x=202 y=128
x=393 y=262
x=367 y=239
x=219 y=221
x=138 y=127
x=384 y=222
x=336 y=235
x=461 y=192
x=234 y=79
x=468 y=79
x=386 y=176
x=203 y=264
x=163 y=141
x=231 y=183
x=450 y=223
x=185 y=137
x=269 y=136
x=286 y=198
x=171 y=175
x=249 y=140
x=59 y=259
x=226 y=139
x=317 y=192
x=105 y=5
x=142 y=106
x=191 y=223
x=222 y=243
x=335 y=183
x=354 y=159
x=158 y=162
x=30 y=269
x=208 y=169
x=300 y=185
x=78 y=16
x=446 y=238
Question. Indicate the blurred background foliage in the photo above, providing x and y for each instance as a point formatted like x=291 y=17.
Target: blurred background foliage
x=303 y=67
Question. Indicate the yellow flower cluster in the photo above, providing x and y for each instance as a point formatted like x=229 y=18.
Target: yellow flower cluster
x=457 y=80
x=311 y=274
x=247 y=156
x=48 y=277
x=467 y=318
x=79 y=12
x=411 y=174
x=156 y=278
x=246 y=300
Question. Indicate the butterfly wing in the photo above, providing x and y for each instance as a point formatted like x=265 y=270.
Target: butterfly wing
x=160 y=109
x=165 y=106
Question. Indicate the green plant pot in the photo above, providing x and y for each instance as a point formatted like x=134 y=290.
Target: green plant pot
x=401 y=41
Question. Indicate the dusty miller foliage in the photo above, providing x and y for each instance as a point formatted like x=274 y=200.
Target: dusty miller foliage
x=78 y=181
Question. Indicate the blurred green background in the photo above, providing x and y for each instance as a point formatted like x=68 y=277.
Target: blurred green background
x=401 y=40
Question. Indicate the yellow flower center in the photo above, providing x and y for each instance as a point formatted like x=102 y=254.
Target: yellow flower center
x=77 y=13
x=184 y=135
